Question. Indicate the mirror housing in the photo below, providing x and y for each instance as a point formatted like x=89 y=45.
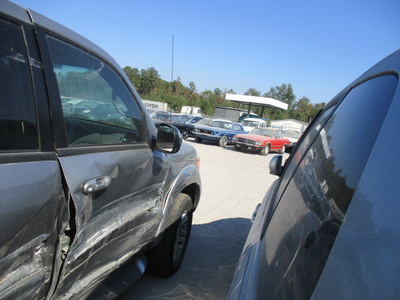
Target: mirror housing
x=275 y=165
x=169 y=139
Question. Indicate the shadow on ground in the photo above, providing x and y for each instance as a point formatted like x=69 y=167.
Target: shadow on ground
x=207 y=269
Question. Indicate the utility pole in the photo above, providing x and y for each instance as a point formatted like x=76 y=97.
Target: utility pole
x=172 y=68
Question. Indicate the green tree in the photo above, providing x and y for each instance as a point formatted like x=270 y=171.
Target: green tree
x=149 y=79
x=285 y=94
x=252 y=92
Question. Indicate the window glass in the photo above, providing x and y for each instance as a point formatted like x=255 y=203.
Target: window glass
x=18 y=125
x=98 y=107
x=305 y=224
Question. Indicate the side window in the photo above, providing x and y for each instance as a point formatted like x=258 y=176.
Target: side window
x=304 y=226
x=18 y=125
x=98 y=107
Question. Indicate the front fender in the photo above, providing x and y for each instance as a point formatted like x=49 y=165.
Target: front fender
x=188 y=181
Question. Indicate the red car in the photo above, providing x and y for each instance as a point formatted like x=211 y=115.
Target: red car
x=262 y=140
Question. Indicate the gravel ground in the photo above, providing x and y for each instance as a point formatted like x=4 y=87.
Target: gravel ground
x=233 y=184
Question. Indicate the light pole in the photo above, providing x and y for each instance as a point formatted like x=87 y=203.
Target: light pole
x=172 y=68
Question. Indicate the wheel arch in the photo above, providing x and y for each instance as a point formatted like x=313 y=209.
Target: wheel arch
x=187 y=182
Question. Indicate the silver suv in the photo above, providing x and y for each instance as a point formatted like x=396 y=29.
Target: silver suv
x=87 y=181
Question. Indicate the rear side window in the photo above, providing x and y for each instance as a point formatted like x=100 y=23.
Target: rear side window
x=98 y=107
x=18 y=125
x=304 y=226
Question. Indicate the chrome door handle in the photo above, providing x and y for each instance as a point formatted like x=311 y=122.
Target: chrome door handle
x=96 y=184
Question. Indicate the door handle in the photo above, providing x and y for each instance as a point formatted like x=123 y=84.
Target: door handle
x=96 y=184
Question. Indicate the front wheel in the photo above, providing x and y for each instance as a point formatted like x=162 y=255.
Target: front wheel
x=198 y=140
x=185 y=134
x=165 y=259
x=223 y=141
x=265 y=151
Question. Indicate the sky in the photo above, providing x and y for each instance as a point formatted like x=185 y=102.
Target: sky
x=319 y=47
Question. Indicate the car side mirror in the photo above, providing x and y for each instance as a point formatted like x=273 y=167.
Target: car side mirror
x=169 y=139
x=275 y=165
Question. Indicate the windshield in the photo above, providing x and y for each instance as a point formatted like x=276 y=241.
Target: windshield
x=291 y=134
x=205 y=121
x=221 y=124
x=263 y=131
x=250 y=123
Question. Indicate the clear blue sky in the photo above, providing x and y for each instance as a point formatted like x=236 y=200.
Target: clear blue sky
x=317 y=46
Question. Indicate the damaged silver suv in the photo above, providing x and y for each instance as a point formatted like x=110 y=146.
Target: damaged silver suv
x=87 y=181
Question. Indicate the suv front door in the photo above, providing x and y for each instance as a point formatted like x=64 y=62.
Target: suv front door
x=115 y=184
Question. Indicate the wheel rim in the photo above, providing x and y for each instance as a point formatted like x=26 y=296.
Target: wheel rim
x=224 y=141
x=185 y=134
x=181 y=236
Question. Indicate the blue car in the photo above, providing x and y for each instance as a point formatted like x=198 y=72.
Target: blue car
x=220 y=131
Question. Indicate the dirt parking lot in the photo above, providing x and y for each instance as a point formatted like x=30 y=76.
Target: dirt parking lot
x=233 y=184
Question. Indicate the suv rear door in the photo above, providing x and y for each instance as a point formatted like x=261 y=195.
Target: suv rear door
x=32 y=201
x=115 y=180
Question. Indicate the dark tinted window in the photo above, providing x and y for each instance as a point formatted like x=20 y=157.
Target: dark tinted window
x=304 y=226
x=18 y=126
x=97 y=106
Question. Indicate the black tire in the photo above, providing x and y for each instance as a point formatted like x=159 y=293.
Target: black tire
x=165 y=259
x=236 y=147
x=266 y=150
x=223 y=141
x=198 y=140
x=185 y=134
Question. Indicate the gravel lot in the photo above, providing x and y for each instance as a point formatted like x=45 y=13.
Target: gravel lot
x=233 y=184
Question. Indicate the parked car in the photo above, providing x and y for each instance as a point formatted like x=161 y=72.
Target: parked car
x=250 y=123
x=162 y=115
x=88 y=184
x=291 y=135
x=220 y=131
x=186 y=127
x=247 y=115
x=262 y=140
x=328 y=228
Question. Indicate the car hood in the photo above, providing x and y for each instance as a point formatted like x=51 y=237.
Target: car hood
x=255 y=137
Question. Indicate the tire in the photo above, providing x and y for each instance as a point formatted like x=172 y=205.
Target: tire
x=185 y=134
x=166 y=258
x=265 y=150
x=236 y=147
x=223 y=141
x=198 y=140
x=283 y=149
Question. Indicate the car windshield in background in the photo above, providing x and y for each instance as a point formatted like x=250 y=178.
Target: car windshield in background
x=291 y=134
x=161 y=115
x=221 y=124
x=250 y=123
x=204 y=122
x=186 y=118
x=262 y=131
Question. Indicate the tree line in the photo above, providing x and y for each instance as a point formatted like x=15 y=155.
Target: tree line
x=150 y=86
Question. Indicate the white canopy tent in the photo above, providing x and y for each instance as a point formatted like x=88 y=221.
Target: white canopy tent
x=257 y=101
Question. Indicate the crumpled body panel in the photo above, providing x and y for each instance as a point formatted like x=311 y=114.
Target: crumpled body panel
x=31 y=203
